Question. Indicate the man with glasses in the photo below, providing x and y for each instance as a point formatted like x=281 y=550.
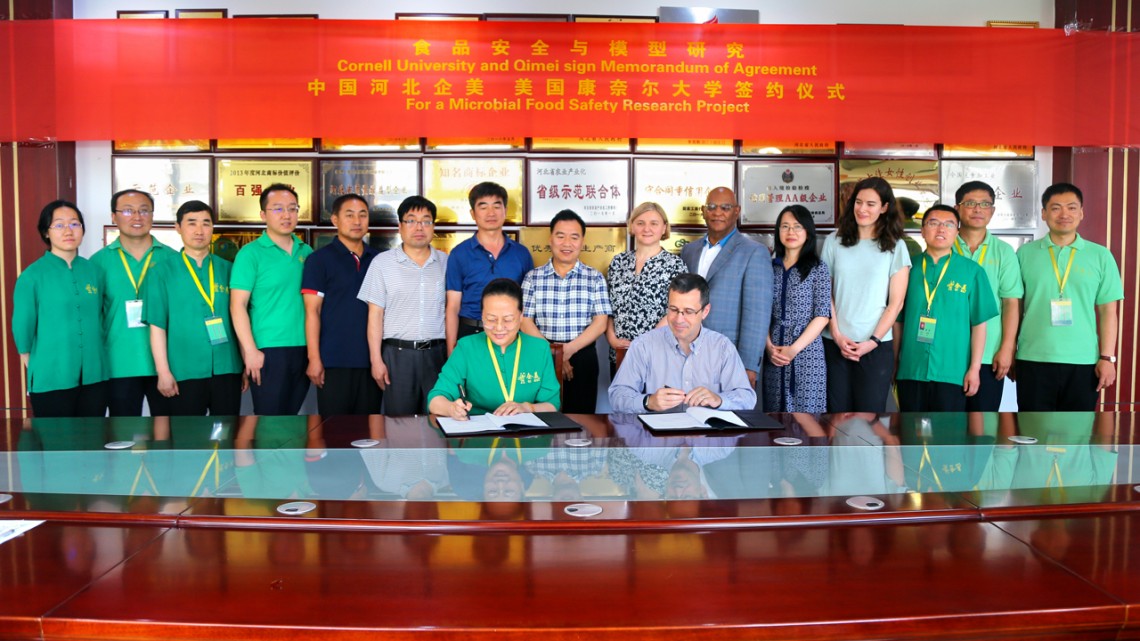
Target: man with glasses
x=682 y=363
x=942 y=328
x=267 y=310
x=126 y=264
x=1066 y=353
x=976 y=202
x=479 y=260
x=739 y=275
x=405 y=296
x=335 y=320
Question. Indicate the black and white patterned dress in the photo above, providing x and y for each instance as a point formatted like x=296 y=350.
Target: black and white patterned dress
x=639 y=300
x=801 y=386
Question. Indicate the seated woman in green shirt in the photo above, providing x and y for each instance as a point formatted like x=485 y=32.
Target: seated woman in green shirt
x=501 y=371
x=57 y=321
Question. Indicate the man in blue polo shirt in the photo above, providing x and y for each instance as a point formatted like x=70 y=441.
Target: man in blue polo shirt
x=479 y=260
x=336 y=321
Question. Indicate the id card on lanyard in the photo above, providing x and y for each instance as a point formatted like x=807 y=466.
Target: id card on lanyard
x=1061 y=308
x=215 y=327
x=928 y=324
x=134 y=307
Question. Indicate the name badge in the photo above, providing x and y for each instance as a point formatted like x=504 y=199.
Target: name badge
x=926 y=327
x=1061 y=312
x=134 y=314
x=216 y=330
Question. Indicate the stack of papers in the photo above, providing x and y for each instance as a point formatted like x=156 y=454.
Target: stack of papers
x=488 y=423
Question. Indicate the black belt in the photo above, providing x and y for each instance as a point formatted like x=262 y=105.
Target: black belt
x=424 y=344
x=471 y=322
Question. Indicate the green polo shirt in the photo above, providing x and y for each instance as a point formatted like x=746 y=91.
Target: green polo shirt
x=128 y=348
x=1003 y=272
x=273 y=280
x=470 y=365
x=173 y=302
x=963 y=299
x=1094 y=280
x=57 y=319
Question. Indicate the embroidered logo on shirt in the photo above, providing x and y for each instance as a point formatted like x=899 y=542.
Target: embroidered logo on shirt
x=91 y=289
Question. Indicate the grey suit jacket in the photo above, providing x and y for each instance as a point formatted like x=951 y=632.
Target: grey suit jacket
x=740 y=292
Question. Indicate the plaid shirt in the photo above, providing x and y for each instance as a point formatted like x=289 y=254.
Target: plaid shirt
x=563 y=307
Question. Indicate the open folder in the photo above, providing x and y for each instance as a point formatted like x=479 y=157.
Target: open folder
x=491 y=424
x=703 y=418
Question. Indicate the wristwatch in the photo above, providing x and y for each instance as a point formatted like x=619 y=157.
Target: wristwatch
x=645 y=402
x=1110 y=359
x=876 y=340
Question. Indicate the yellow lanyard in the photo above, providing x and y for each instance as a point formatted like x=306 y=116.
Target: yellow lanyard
x=981 y=256
x=149 y=478
x=1055 y=471
x=142 y=276
x=923 y=462
x=929 y=294
x=1061 y=282
x=510 y=398
x=495 y=448
x=209 y=299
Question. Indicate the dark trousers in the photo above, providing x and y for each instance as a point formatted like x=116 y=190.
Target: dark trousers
x=580 y=394
x=412 y=373
x=284 y=383
x=125 y=396
x=988 y=398
x=928 y=396
x=85 y=400
x=219 y=395
x=349 y=391
x=467 y=330
x=1056 y=387
x=859 y=386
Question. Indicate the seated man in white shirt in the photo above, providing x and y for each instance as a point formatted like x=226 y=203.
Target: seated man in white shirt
x=682 y=363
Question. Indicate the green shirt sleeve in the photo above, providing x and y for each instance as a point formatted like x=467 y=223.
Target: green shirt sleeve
x=244 y=272
x=1110 y=289
x=155 y=306
x=982 y=305
x=1009 y=272
x=549 y=391
x=24 y=313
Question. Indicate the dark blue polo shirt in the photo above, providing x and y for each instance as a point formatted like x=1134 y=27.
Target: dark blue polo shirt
x=335 y=274
x=470 y=268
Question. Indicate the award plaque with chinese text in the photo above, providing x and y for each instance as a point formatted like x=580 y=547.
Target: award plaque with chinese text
x=579 y=144
x=680 y=186
x=685 y=145
x=678 y=239
x=383 y=183
x=227 y=242
x=1014 y=183
x=987 y=151
x=597 y=190
x=599 y=246
x=916 y=179
x=787 y=148
x=240 y=183
x=170 y=181
x=766 y=188
x=447 y=182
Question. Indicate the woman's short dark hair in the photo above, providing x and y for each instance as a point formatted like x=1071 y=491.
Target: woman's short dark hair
x=889 y=227
x=808 y=257
x=48 y=212
x=504 y=287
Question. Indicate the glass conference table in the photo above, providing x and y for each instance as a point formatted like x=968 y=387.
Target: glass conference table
x=834 y=526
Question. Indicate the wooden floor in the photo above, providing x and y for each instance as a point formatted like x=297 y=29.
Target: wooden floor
x=968 y=559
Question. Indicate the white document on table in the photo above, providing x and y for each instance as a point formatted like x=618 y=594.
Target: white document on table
x=692 y=418
x=487 y=423
x=10 y=529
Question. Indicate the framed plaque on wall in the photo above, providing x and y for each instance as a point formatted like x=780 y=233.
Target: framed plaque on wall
x=597 y=190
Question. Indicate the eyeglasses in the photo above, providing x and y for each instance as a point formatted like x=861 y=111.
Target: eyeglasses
x=292 y=209
x=683 y=313
x=976 y=204
x=792 y=228
x=711 y=207
x=145 y=213
x=73 y=225
x=418 y=223
x=505 y=321
x=945 y=224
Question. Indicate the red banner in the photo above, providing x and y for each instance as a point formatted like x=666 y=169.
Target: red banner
x=155 y=79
